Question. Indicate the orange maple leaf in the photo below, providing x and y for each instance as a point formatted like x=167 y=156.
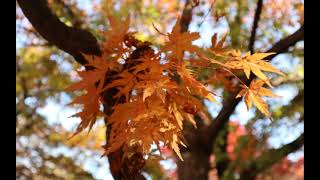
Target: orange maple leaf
x=217 y=46
x=254 y=63
x=180 y=42
x=254 y=94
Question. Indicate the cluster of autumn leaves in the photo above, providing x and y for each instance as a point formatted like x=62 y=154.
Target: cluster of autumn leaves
x=156 y=89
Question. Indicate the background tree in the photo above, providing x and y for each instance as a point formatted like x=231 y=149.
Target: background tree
x=43 y=72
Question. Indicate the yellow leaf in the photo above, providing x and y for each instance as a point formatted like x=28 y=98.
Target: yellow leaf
x=248 y=101
x=266 y=92
x=147 y=92
x=258 y=56
x=246 y=69
x=253 y=95
x=217 y=46
x=254 y=63
x=175 y=146
x=191 y=120
x=178 y=115
x=241 y=93
x=211 y=99
x=259 y=103
x=180 y=42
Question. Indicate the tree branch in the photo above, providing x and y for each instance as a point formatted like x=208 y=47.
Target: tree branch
x=69 y=39
x=270 y=157
x=255 y=26
x=231 y=102
x=186 y=16
x=283 y=45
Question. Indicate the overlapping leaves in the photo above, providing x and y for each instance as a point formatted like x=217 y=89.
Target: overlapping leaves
x=159 y=93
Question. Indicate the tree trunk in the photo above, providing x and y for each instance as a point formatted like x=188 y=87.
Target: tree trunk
x=197 y=154
x=195 y=166
x=124 y=168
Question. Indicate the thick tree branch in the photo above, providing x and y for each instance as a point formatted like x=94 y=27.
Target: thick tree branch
x=270 y=157
x=186 y=16
x=283 y=45
x=123 y=167
x=231 y=102
x=69 y=39
x=255 y=26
